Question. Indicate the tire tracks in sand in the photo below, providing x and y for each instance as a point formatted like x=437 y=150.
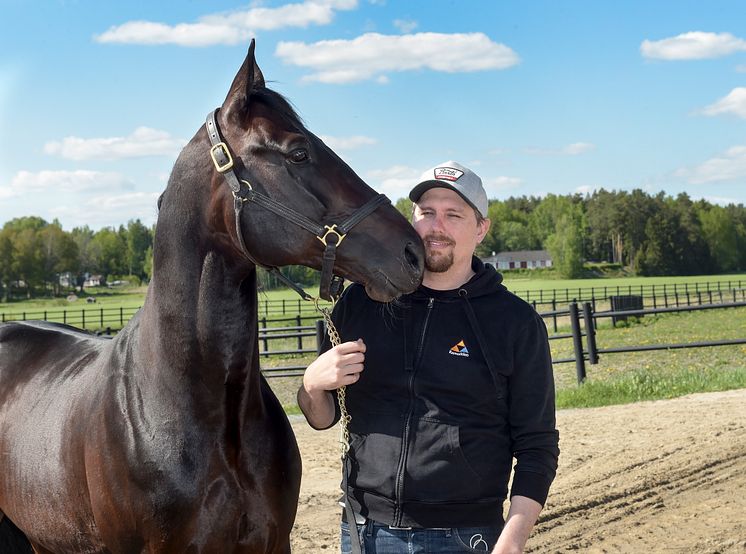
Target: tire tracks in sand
x=663 y=476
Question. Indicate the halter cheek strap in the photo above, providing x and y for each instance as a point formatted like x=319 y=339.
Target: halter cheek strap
x=331 y=236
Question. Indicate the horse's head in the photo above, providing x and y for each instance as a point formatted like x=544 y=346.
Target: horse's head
x=290 y=181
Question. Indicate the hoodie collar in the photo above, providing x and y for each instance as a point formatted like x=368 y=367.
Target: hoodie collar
x=484 y=281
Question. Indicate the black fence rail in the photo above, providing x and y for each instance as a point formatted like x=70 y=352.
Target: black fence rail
x=677 y=294
x=91 y=319
x=301 y=334
x=592 y=351
x=665 y=290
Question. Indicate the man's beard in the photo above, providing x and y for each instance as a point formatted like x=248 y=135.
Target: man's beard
x=438 y=262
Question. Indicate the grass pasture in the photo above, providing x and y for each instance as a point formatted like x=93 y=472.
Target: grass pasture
x=618 y=378
x=633 y=376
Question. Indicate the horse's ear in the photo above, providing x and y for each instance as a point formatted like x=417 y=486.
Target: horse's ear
x=248 y=78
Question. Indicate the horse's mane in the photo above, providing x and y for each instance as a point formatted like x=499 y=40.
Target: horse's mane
x=278 y=103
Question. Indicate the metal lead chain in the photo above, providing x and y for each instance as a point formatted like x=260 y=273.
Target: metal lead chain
x=344 y=418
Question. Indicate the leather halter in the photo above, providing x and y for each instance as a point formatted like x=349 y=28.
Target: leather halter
x=331 y=236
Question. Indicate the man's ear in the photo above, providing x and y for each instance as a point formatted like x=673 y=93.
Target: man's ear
x=484 y=226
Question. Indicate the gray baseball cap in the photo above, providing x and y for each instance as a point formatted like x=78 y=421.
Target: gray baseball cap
x=452 y=175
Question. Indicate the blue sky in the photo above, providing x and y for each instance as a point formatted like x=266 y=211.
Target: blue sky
x=97 y=98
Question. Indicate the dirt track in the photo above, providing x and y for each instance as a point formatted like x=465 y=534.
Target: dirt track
x=665 y=476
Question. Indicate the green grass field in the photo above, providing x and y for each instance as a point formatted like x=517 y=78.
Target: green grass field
x=131 y=298
x=634 y=376
x=618 y=378
x=520 y=282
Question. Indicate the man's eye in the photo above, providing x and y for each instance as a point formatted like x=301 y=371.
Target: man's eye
x=299 y=156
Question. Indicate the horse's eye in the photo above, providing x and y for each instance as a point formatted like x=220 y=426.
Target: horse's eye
x=299 y=156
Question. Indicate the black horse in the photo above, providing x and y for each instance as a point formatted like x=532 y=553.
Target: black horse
x=167 y=438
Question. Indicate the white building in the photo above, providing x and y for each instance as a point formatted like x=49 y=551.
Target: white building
x=520 y=259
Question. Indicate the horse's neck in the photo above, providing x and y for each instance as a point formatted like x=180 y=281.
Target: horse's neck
x=199 y=317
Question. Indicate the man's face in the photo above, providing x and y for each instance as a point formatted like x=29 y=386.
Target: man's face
x=448 y=228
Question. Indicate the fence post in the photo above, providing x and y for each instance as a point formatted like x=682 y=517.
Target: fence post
x=554 y=309
x=319 y=335
x=83 y=325
x=300 y=338
x=121 y=316
x=590 y=333
x=577 y=342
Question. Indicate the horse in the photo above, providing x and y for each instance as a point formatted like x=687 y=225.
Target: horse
x=167 y=438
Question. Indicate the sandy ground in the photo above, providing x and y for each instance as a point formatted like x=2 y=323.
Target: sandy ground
x=664 y=476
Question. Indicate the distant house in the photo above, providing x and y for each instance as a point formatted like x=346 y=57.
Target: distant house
x=67 y=279
x=93 y=281
x=520 y=259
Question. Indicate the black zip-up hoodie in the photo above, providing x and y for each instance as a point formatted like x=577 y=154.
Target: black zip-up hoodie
x=456 y=383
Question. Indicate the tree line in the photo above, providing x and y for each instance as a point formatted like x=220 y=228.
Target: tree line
x=35 y=254
x=648 y=234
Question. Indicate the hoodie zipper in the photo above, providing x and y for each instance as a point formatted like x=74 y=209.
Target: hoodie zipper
x=399 y=491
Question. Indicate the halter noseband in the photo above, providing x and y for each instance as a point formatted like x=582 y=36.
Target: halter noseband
x=331 y=236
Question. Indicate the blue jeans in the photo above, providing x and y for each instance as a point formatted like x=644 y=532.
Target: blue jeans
x=380 y=539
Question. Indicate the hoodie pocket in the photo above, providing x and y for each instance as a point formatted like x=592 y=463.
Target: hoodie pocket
x=375 y=448
x=437 y=468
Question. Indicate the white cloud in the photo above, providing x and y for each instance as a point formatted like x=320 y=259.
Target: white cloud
x=372 y=55
x=502 y=183
x=226 y=28
x=574 y=149
x=721 y=200
x=695 y=45
x=577 y=148
x=347 y=143
x=405 y=25
x=395 y=181
x=57 y=182
x=729 y=166
x=110 y=210
x=734 y=103
x=143 y=142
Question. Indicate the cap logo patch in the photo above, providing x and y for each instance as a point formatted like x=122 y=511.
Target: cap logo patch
x=459 y=349
x=447 y=173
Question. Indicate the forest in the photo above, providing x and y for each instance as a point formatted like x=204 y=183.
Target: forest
x=646 y=234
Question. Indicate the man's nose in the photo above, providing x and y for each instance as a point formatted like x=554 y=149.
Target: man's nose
x=437 y=223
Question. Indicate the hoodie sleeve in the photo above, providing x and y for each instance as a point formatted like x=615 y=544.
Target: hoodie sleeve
x=532 y=413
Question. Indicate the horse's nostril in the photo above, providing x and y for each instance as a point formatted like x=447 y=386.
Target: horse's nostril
x=411 y=255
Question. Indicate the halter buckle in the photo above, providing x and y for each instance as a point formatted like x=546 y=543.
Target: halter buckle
x=226 y=153
x=332 y=229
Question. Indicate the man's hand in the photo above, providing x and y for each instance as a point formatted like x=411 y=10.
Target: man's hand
x=521 y=518
x=340 y=366
x=335 y=368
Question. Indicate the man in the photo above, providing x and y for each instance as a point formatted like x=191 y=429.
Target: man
x=444 y=386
